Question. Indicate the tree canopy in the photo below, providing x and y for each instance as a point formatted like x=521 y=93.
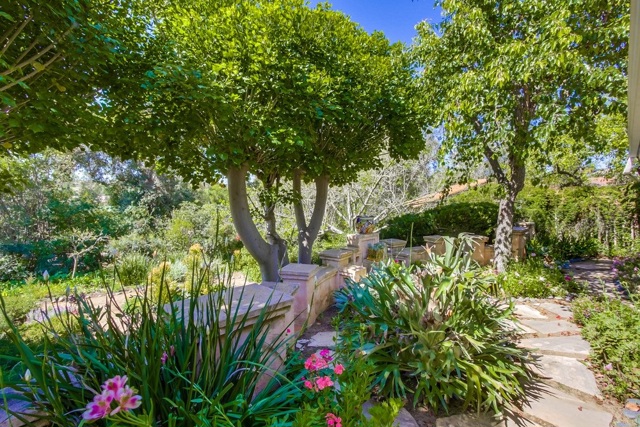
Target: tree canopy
x=509 y=80
x=268 y=88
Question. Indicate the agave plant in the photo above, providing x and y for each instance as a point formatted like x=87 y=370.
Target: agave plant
x=188 y=367
x=435 y=332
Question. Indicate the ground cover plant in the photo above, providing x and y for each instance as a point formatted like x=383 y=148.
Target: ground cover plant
x=436 y=333
x=627 y=272
x=612 y=327
x=185 y=372
x=537 y=278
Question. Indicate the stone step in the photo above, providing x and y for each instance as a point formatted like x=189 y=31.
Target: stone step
x=552 y=407
x=323 y=340
x=569 y=374
x=568 y=346
x=560 y=311
x=551 y=327
x=523 y=311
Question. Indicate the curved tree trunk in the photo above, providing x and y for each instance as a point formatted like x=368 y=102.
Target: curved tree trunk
x=265 y=254
x=307 y=233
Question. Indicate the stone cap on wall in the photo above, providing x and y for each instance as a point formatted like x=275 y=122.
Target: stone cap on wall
x=395 y=243
x=249 y=300
x=296 y=271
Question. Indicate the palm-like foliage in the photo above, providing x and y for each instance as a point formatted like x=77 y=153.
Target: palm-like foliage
x=436 y=332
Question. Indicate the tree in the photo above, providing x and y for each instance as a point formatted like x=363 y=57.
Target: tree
x=56 y=58
x=268 y=91
x=507 y=80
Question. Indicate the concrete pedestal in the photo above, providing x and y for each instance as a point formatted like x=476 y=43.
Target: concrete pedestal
x=362 y=242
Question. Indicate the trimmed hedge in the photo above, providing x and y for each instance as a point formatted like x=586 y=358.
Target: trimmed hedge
x=447 y=220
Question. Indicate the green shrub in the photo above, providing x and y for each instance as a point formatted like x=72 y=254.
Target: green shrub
x=535 y=279
x=133 y=269
x=612 y=327
x=448 y=220
x=437 y=333
x=188 y=372
x=12 y=268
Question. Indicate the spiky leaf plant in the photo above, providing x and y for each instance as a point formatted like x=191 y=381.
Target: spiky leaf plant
x=436 y=332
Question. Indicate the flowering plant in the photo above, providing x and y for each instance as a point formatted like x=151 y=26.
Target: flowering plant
x=115 y=402
x=334 y=395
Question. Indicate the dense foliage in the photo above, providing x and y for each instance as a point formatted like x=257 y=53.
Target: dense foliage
x=570 y=222
x=435 y=333
x=627 y=272
x=612 y=327
x=447 y=220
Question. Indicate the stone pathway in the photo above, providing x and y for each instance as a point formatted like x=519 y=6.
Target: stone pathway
x=568 y=395
x=597 y=275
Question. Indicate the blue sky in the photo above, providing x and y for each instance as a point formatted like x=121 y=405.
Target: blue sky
x=395 y=18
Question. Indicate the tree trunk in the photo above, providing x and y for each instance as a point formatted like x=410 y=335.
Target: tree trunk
x=307 y=233
x=265 y=254
x=504 y=231
x=75 y=267
x=512 y=184
x=273 y=238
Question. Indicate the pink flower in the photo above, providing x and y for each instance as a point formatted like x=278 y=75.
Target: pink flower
x=114 y=384
x=567 y=278
x=314 y=363
x=172 y=351
x=326 y=355
x=333 y=420
x=100 y=407
x=127 y=400
x=114 y=390
x=288 y=330
x=608 y=367
x=338 y=369
x=164 y=358
x=308 y=384
x=533 y=254
x=323 y=382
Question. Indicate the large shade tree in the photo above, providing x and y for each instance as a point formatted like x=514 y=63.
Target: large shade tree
x=508 y=80
x=268 y=91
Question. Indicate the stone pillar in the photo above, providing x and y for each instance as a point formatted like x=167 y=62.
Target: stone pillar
x=324 y=287
x=489 y=253
x=518 y=243
x=530 y=226
x=304 y=277
x=362 y=242
x=394 y=246
x=478 y=249
x=355 y=258
x=337 y=258
x=435 y=244
x=409 y=255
